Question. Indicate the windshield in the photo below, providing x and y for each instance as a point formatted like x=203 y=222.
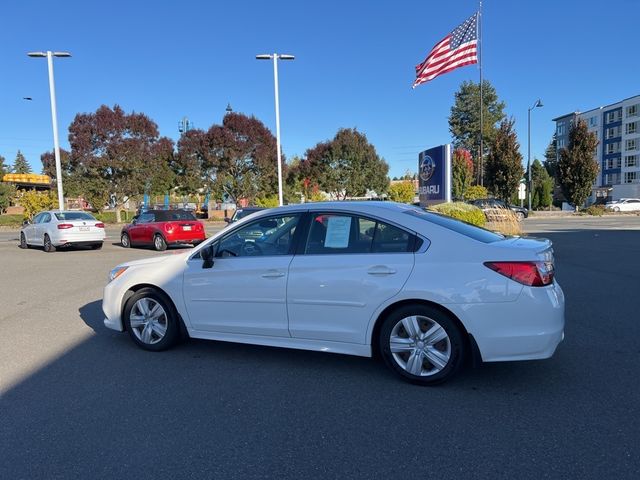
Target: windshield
x=74 y=216
x=458 y=226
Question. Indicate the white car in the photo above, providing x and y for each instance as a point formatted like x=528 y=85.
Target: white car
x=624 y=205
x=54 y=229
x=423 y=290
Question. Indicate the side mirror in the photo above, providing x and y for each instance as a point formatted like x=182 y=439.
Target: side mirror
x=208 y=253
x=227 y=219
x=26 y=222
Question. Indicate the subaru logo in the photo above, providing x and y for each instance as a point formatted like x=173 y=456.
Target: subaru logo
x=427 y=167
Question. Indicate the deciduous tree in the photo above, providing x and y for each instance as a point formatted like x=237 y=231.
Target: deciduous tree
x=504 y=163
x=577 y=168
x=462 y=172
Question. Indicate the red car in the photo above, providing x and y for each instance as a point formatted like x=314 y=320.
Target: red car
x=161 y=228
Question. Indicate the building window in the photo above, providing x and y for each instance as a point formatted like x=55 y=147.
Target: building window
x=632 y=111
x=612 y=163
x=560 y=129
x=631 y=177
x=609 y=117
x=560 y=142
x=593 y=121
x=612 y=178
x=631 y=128
x=631 y=144
x=613 y=147
x=631 y=161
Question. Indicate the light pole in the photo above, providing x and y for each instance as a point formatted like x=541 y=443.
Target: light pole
x=275 y=58
x=535 y=105
x=52 y=90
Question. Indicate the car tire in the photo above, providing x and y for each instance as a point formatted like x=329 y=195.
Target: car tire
x=96 y=246
x=519 y=216
x=23 y=241
x=48 y=246
x=151 y=331
x=125 y=241
x=416 y=357
x=159 y=242
x=616 y=209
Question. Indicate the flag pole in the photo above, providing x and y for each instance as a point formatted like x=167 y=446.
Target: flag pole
x=480 y=163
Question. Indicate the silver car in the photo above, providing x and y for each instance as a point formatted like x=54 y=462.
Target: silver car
x=54 y=229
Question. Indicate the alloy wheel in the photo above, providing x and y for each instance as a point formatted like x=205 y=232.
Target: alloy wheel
x=420 y=346
x=148 y=321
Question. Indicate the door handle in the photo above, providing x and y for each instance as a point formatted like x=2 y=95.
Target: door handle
x=272 y=274
x=381 y=270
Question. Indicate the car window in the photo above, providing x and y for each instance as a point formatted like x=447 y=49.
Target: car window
x=339 y=233
x=74 y=216
x=263 y=237
x=146 y=218
x=46 y=218
x=174 y=215
x=38 y=218
x=458 y=226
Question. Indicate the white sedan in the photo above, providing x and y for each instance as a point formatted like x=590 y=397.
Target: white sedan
x=624 y=205
x=422 y=290
x=54 y=229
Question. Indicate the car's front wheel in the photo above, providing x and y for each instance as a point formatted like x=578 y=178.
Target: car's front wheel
x=125 y=241
x=23 y=241
x=421 y=344
x=616 y=209
x=151 y=320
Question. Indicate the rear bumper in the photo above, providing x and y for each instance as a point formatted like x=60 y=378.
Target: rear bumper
x=89 y=238
x=192 y=239
x=528 y=329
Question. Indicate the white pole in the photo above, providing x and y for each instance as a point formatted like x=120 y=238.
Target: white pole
x=275 y=81
x=54 y=120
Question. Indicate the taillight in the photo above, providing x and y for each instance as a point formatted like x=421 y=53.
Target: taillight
x=99 y=225
x=64 y=226
x=533 y=274
x=168 y=227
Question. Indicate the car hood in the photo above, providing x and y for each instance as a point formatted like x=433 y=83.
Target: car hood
x=154 y=260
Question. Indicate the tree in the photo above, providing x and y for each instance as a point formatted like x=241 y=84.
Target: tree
x=504 y=163
x=346 y=166
x=462 y=172
x=577 y=168
x=4 y=168
x=7 y=192
x=402 y=191
x=476 y=192
x=196 y=165
x=464 y=120
x=119 y=153
x=71 y=183
x=542 y=193
x=20 y=164
x=551 y=158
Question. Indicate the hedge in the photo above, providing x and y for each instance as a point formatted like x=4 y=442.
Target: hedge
x=461 y=211
x=110 y=217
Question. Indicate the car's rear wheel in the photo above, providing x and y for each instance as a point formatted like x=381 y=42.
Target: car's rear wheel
x=616 y=209
x=421 y=344
x=23 y=241
x=159 y=243
x=48 y=246
x=125 y=241
x=151 y=320
x=96 y=246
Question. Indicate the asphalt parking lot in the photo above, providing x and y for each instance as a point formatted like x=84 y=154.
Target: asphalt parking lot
x=79 y=401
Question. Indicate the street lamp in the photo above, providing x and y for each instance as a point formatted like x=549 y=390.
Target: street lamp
x=275 y=58
x=535 y=105
x=52 y=90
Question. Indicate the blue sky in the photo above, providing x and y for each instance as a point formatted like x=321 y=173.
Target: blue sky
x=354 y=66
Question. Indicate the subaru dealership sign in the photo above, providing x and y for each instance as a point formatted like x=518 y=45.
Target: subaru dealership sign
x=434 y=174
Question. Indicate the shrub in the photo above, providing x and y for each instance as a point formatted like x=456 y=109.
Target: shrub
x=402 y=192
x=461 y=211
x=595 y=210
x=270 y=201
x=34 y=202
x=475 y=192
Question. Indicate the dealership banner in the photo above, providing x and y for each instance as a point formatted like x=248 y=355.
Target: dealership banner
x=434 y=175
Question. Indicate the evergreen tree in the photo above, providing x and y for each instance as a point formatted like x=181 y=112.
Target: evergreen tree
x=4 y=168
x=541 y=195
x=464 y=121
x=20 y=164
x=551 y=158
x=504 y=163
x=577 y=168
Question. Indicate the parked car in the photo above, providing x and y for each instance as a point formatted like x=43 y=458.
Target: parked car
x=161 y=228
x=624 y=205
x=493 y=207
x=241 y=213
x=424 y=290
x=56 y=229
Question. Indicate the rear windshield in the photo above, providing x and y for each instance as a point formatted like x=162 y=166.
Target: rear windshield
x=170 y=215
x=243 y=213
x=457 y=226
x=74 y=216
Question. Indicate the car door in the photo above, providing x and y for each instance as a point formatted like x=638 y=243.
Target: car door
x=31 y=230
x=137 y=231
x=349 y=266
x=245 y=290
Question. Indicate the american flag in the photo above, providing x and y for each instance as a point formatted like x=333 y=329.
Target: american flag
x=457 y=49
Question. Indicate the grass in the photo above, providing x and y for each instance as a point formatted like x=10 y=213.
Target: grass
x=10 y=220
x=504 y=221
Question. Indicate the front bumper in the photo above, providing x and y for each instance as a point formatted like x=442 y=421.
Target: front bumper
x=528 y=329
